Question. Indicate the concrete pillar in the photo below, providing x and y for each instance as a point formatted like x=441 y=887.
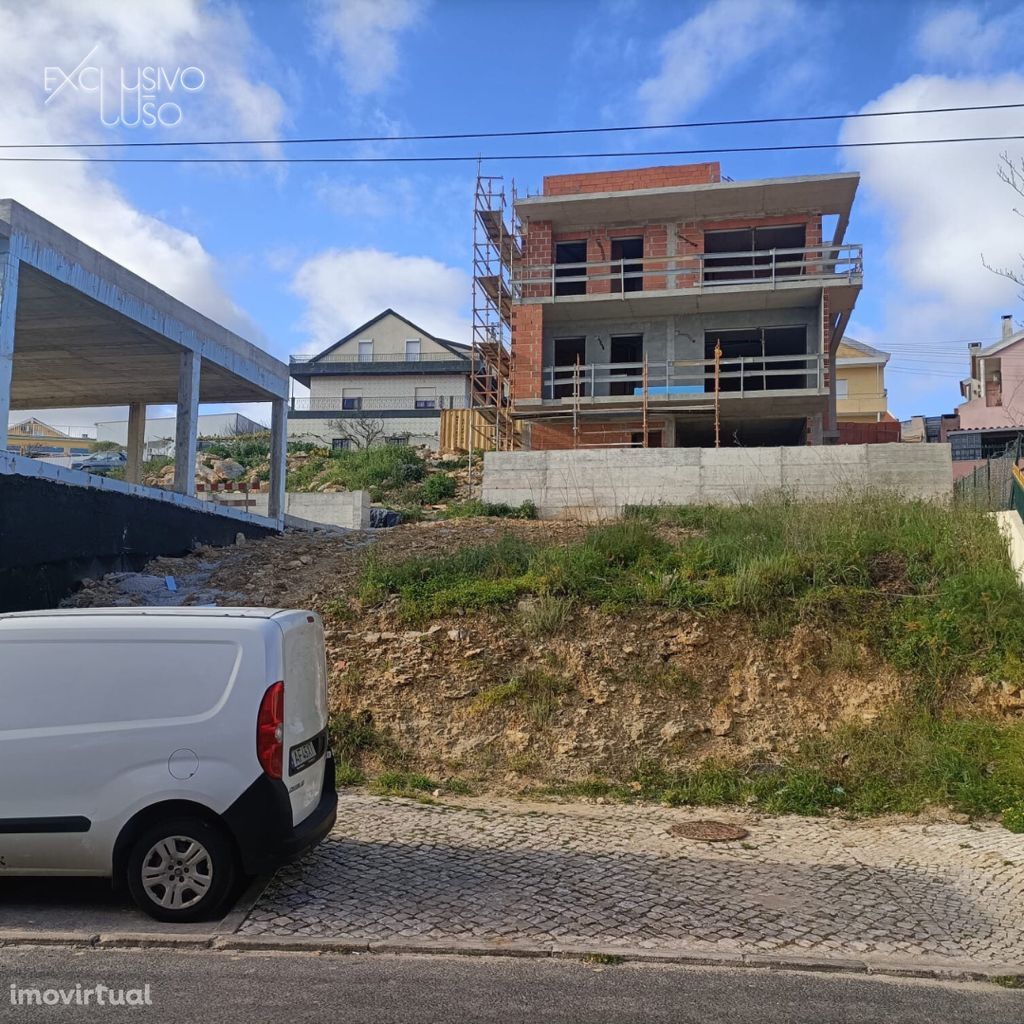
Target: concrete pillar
x=187 y=424
x=136 y=441
x=278 y=458
x=8 y=309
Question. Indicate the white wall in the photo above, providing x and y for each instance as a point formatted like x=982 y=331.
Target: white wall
x=423 y=430
x=388 y=385
x=350 y=509
x=602 y=482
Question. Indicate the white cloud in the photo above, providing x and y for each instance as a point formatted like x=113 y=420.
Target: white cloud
x=942 y=207
x=361 y=199
x=343 y=288
x=363 y=34
x=710 y=46
x=962 y=37
x=84 y=199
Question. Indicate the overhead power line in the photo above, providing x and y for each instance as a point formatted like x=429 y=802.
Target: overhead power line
x=505 y=157
x=520 y=134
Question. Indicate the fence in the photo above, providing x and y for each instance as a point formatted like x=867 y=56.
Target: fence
x=990 y=486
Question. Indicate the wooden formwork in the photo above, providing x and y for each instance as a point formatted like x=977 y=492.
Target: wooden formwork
x=465 y=429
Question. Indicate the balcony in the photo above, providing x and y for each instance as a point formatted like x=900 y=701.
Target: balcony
x=684 y=383
x=768 y=278
x=337 y=406
x=302 y=367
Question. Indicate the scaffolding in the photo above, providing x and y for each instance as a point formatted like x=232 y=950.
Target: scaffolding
x=496 y=247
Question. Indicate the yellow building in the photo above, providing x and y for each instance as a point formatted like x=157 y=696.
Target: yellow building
x=34 y=437
x=860 y=382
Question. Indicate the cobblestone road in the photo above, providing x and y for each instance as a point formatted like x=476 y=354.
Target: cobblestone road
x=611 y=877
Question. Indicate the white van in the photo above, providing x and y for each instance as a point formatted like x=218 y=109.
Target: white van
x=171 y=749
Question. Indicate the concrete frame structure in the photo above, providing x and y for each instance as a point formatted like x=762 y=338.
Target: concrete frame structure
x=646 y=261
x=78 y=329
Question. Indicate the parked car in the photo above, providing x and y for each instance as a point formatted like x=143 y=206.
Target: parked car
x=101 y=462
x=173 y=750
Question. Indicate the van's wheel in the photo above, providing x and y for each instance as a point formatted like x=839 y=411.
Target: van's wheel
x=182 y=869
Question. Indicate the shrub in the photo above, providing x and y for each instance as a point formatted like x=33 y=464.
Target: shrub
x=249 y=450
x=437 y=488
x=473 y=507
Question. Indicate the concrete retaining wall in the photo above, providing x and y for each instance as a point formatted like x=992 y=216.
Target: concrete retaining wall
x=350 y=509
x=600 y=482
x=53 y=535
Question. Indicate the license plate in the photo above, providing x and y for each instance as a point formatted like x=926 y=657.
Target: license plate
x=302 y=755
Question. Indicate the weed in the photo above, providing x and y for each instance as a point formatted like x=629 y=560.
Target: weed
x=1008 y=980
x=1013 y=817
x=346 y=774
x=532 y=689
x=609 y=959
x=354 y=737
x=415 y=786
x=546 y=615
x=473 y=507
x=670 y=679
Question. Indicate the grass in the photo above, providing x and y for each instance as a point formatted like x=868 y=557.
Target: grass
x=473 y=507
x=901 y=764
x=381 y=470
x=415 y=786
x=536 y=691
x=927 y=587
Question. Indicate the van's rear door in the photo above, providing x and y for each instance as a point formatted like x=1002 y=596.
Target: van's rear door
x=305 y=709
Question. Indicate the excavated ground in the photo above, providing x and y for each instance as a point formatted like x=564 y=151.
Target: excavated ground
x=605 y=692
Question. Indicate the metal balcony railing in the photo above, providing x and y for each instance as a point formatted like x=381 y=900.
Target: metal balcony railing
x=827 y=264
x=679 y=378
x=370 y=405
x=382 y=357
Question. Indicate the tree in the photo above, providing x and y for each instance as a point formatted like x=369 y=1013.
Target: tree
x=1013 y=175
x=362 y=430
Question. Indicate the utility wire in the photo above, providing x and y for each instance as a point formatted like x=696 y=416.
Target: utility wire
x=526 y=133
x=495 y=157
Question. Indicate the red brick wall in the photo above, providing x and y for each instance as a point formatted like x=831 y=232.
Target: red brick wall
x=527 y=350
x=641 y=177
x=558 y=436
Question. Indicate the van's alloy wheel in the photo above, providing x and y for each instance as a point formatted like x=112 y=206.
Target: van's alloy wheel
x=177 y=872
x=182 y=869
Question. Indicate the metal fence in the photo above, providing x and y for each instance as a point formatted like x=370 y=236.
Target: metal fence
x=990 y=486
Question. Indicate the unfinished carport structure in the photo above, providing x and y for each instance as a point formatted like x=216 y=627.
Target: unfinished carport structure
x=78 y=329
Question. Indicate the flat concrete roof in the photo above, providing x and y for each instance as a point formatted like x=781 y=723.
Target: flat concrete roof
x=725 y=200
x=783 y=294
x=89 y=332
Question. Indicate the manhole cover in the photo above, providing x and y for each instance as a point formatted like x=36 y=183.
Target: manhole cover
x=708 y=831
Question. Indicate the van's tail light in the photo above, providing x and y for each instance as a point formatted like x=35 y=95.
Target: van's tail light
x=270 y=731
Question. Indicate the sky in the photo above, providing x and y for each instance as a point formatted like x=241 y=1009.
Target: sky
x=295 y=256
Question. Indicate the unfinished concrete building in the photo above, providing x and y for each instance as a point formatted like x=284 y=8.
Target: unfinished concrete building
x=78 y=329
x=670 y=307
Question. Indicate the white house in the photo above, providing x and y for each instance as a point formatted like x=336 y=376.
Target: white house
x=386 y=382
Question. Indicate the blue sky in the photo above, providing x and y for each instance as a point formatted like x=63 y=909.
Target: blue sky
x=294 y=256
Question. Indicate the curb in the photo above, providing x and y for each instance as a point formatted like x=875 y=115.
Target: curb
x=595 y=954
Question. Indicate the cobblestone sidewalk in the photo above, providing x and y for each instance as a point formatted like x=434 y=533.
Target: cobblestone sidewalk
x=612 y=877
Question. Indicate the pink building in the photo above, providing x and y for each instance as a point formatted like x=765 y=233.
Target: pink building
x=992 y=417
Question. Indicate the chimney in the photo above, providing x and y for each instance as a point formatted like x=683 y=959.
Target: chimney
x=1007 y=325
